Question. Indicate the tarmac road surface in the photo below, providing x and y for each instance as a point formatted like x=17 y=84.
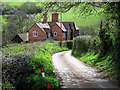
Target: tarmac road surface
x=72 y=73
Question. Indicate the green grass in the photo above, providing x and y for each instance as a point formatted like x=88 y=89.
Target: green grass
x=43 y=58
x=87 y=25
x=92 y=21
x=14 y=49
x=40 y=56
x=105 y=64
x=88 y=57
x=3 y=19
x=13 y=3
x=19 y=1
x=80 y=21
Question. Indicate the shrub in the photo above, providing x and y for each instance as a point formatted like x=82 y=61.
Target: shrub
x=64 y=44
x=35 y=79
x=38 y=82
x=24 y=71
x=43 y=58
x=96 y=44
x=68 y=44
x=82 y=43
x=14 y=71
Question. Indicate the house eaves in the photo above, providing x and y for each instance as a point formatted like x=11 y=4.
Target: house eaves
x=43 y=25
x=61 y=26
x=76 y=27
x=23 y=36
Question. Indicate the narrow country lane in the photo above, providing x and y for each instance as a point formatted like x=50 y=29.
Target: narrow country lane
x=75 y=74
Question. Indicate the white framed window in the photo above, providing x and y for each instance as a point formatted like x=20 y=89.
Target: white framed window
x=55 y=33
x=63 y=34
x=35 y=33
x=48 y=35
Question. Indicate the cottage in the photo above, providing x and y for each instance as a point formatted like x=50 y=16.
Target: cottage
x=57 y=30
x=20 y=38
x=39 y=32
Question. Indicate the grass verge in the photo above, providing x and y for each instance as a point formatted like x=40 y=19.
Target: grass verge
x=105 y=64
x=40 y=55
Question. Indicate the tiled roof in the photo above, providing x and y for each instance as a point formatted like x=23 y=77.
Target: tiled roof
x=76 y=27
x=61 y=26
x=71 y=24
x=64 y=25
x=23 y=36
x=51 y=24
x=43 y=30
x=43 y=25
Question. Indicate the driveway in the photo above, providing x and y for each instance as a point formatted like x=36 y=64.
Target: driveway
x=72 y=73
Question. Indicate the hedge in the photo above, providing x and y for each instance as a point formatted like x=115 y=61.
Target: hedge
x=68 y=44
x=82 y=43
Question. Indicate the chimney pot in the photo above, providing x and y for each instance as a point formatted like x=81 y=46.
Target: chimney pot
x=55 y=17
x=45 y=17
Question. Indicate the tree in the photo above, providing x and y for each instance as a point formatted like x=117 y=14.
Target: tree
x=84 y=7
x=30 y=8
x=17 y=23
x=19 y=19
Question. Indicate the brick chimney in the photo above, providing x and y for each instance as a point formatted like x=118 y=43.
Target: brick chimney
x=45 y=17
x=55 y=17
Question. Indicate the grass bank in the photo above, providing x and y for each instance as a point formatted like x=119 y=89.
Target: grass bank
x=105 y=64
x=73 y=15
x=88 y=50
x=39 y=55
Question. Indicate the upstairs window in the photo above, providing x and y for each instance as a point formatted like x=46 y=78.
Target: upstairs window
x=55 y=33
x=35 y=33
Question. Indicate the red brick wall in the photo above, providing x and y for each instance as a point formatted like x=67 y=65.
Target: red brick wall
x=59 y=33
x=45 y=17
x=47 y=30
x=55 y=17
x=41 y=35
